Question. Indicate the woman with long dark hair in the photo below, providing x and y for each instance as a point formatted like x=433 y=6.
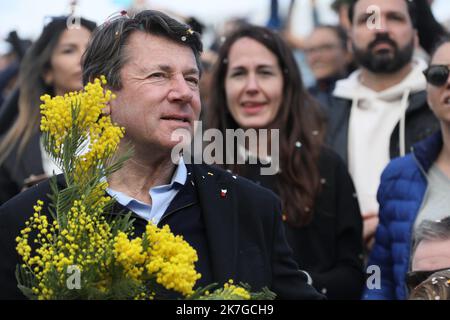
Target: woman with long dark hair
x=257 y=85
x=52 y=65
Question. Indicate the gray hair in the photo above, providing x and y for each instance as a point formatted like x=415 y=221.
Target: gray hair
x=106 y=54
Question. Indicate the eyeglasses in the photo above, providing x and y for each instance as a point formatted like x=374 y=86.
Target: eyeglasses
x=414 y=278
x=437 y=75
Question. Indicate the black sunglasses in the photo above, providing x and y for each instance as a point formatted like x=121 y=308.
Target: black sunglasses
x=414 y=278
x=437 y=75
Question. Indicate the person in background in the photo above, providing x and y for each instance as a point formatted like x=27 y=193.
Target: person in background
x=329 y=60
x=435 y=287
x=430 y=267
x=257 y=85
x=415 y=188
x=380 y=110
x=51 y=65
x=341 y=8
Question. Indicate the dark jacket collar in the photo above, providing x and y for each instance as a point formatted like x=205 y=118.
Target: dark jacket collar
x=427 y=150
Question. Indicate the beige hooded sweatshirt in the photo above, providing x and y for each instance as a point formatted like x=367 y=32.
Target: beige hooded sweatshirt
x=373 y=118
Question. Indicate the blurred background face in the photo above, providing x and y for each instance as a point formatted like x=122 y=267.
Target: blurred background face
x=65 y=73
x=386 y=49
x=208 y=59
x=439 y=97
x=325 y=54
x=253 y=84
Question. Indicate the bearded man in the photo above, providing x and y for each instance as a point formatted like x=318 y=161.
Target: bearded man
x=380 y=110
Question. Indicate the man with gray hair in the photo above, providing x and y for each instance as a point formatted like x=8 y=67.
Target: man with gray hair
x=151 y=63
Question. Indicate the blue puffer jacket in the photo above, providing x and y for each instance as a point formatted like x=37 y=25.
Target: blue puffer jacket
x=402 y=188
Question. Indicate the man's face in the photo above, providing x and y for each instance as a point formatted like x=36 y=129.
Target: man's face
x=384 y=42
x=325 y=54
x=159 y=92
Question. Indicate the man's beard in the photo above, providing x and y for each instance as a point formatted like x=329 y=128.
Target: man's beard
x=384 y=62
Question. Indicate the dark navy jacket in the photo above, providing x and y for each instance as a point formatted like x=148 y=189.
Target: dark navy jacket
x=402 y=188
x=238 y=236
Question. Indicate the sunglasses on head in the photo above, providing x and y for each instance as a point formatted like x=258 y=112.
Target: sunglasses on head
x=414 y=278
x=437 y=75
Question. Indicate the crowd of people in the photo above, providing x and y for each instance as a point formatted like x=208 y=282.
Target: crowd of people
x=364 y=153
